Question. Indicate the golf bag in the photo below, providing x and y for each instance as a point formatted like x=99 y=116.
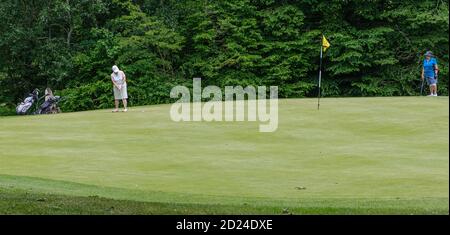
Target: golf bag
x=50 y=105
x=24 y=106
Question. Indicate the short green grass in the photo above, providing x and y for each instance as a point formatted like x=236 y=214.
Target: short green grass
x=354 y=156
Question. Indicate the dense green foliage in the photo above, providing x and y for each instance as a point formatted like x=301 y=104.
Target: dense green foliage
x=70 y=45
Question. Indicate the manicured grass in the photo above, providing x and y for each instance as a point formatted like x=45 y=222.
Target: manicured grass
x=24 y=195
x=354 y=156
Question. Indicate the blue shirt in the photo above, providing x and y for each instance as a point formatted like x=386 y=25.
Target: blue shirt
x=429 y=66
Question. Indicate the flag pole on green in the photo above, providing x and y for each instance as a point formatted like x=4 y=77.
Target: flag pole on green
x=323 y=48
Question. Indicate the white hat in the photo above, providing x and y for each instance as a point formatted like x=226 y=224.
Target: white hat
x=115 y=69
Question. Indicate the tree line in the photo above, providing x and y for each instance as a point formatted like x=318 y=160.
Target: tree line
x=377 y=47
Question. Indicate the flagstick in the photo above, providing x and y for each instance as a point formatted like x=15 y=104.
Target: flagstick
x=320 y=76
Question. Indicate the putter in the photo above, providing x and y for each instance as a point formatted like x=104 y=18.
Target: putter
x=421 y=87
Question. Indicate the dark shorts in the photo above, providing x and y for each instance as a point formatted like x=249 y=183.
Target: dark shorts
x=431 y=81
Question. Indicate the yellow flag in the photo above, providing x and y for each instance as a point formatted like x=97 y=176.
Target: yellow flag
x=325 y=43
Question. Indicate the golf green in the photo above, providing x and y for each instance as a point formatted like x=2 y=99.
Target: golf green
x=385 y=155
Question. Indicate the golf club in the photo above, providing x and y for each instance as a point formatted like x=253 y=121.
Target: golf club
x=421 y=87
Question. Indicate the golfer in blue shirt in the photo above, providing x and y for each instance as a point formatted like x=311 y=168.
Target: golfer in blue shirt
x=430 y=72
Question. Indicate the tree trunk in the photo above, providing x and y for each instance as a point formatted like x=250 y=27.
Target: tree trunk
x=69 y=36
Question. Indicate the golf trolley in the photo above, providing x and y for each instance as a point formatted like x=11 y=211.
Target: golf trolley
x=49 y=105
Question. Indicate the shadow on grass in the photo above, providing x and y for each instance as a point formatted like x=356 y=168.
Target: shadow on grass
x=29 y=195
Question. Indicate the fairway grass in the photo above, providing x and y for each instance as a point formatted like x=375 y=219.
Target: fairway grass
x=384 y=155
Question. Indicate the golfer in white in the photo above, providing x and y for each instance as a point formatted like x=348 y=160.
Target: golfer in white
x=119 y=81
